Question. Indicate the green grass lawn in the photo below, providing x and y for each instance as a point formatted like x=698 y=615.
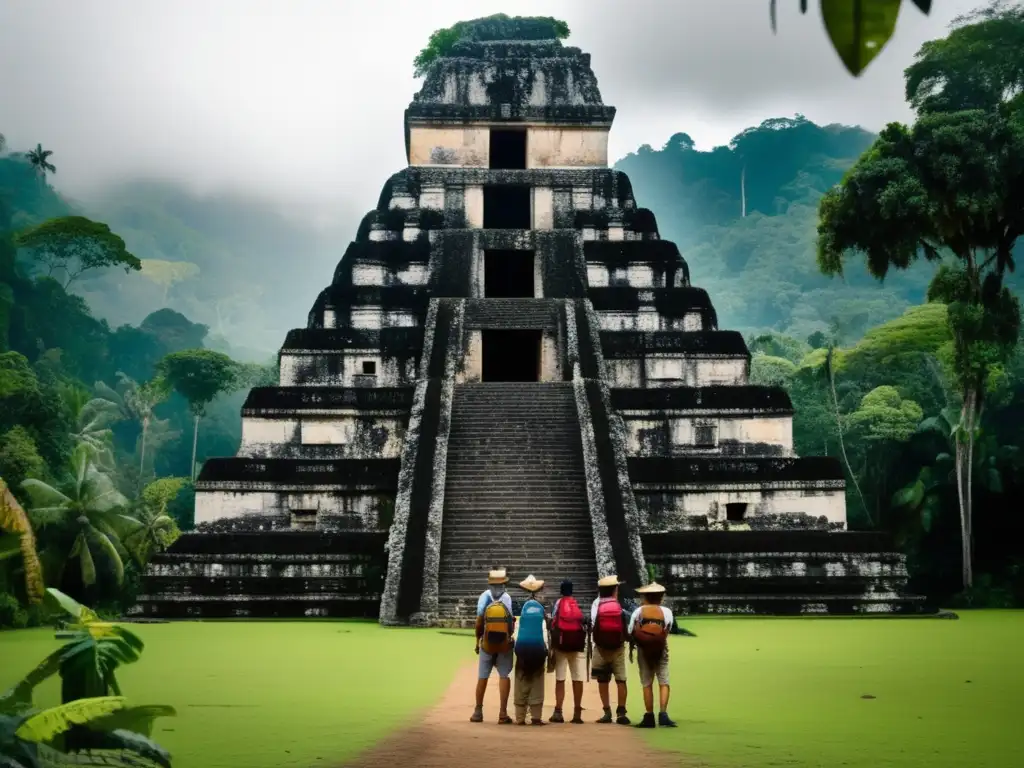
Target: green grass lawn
x=787 y=692
x=265 y=694
x=746 y=692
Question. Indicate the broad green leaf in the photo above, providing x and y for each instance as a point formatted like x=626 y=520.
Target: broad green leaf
x=49 y=723
x=929 y=511
x=135 y=719
x=910 y=496
x=859 y=29
x=79 y=612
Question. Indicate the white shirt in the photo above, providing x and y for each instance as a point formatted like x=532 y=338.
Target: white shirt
x=666 y=612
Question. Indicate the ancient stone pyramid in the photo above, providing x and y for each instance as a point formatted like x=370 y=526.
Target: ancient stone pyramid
x=511 y=368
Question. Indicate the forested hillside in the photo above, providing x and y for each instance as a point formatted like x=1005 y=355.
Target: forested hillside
x=236 y=264
x=744 y=216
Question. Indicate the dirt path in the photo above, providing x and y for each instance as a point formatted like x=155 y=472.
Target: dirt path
x=446 y=739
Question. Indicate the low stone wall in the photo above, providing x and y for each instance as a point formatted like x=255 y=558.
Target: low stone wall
x=781 y=573
x=265 y=572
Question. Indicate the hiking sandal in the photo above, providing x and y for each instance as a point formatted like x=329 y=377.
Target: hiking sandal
x=606 y=717
x=477 y=716
x=556 y=717
x=621 y=718
x=577 y=719
x=506 y=720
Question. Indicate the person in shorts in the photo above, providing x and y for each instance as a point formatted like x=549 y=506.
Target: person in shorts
x=567 y=663
x=495 y=593
x=661 y=618
x=609 y=661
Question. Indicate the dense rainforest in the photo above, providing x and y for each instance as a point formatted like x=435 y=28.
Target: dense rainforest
x=101 y=347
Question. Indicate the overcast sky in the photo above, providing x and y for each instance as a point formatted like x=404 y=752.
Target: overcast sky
x=301 y=101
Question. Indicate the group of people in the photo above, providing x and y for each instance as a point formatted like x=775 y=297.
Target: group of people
x=571 y=644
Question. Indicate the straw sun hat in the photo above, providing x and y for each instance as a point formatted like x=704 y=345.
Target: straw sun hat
x=497 y=576
x=532 y=584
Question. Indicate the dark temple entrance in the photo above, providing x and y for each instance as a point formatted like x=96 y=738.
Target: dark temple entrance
x=508 y=274
x=507 y=207
x=508 y=148
x=511 y=355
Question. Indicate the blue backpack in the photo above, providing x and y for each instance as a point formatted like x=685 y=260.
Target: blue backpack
x=531 y=654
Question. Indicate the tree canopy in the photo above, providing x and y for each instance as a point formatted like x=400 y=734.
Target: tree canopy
x=977 y=66
x=74 y=245
x=198 y=375
x=499 y=26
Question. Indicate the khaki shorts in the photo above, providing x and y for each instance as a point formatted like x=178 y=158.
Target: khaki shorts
x=608 y=664
x=648 y=673
x=575 y=663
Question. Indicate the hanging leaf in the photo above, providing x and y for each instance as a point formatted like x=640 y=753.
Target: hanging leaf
x=803 y=6
x=859 y=29
x=929 y=511
x=910 y=496
x=923 y=5
x=772 y=14
x=44 y=725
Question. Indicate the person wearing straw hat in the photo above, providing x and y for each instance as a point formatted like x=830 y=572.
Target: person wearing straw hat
x=649 y=627
x=531 y=651
x=495 y=624
x=608 y=623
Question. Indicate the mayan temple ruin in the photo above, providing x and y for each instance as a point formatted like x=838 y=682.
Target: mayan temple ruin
x=511 y=368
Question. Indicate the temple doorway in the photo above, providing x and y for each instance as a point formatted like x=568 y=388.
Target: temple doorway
x=508 y=274
x=507 y=207
x=735 y=513
x=508 y=148
x=511 y=355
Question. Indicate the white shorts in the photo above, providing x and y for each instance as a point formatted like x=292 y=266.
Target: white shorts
x=575 y=663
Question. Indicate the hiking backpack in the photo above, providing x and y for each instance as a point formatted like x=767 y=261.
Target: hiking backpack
x=531 y=652
x=609 y=629
x=650 y=633
x=568 y=633
x=496 y=635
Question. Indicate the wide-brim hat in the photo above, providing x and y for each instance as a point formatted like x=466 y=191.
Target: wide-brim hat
x=497 y=576
x=532 y=584
x=654 y=588
x=610 y=581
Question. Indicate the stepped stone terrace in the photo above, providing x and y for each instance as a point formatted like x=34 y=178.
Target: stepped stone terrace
x=511 y=368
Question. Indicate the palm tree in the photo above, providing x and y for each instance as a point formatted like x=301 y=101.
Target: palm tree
x=85 y=513
x=92 y=705
x=92 y=417
x=20 y=539
x=157 y=530
x=135 y=402
x=39 y=159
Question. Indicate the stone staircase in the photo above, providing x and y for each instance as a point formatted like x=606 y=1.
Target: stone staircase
x=515 y=495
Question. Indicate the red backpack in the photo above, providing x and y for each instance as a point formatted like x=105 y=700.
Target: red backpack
x=609 y=629
x=567 y=628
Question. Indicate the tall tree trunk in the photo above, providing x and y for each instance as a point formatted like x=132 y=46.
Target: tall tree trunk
x=195 y=442
x=842 y=442
x=964 y=442
x=142 y=450
x=743 y=191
